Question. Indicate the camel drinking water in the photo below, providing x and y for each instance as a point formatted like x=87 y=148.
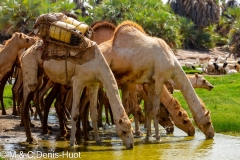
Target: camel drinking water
x=135 y=57
x=90 y=74
x=130 y=93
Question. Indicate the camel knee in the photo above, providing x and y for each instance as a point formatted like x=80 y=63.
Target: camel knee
x=94 y=116
x=75 y=116
x=32 y=86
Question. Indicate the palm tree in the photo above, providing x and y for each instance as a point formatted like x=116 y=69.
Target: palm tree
x=202 y=12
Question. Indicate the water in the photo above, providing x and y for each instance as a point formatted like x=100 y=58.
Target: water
x=175 y=146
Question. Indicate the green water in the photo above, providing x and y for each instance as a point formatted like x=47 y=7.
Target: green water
x=175 y=146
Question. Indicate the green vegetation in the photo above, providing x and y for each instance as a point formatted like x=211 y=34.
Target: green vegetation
x=223 y=102
x=7 y=97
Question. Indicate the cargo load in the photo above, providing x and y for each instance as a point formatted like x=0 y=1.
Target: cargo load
x=59 y=28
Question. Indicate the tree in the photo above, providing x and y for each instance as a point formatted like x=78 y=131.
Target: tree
x=20 y=15
x=202 y=12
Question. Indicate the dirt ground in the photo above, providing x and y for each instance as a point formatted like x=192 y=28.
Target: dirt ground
x=12 y=132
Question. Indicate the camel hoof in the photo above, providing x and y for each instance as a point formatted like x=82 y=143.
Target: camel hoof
x=46 y=132
x=49 y=127
x=157 y=138
x=137 y=133
x=99 y=142
x=32 y=125
x=4 y=113
x=15 y=113
x=86 y=138
x=32 y=141
x=73 y=144
x=89 y=128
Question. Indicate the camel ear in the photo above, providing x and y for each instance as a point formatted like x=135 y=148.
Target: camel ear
x=196 y=75
x=207 y=113
x=120 y=121
x=180 y=113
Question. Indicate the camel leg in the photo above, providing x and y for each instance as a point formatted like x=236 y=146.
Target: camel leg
x=77 y=88
x=36 y=104
x=106 y=114
x=26 y=117
x=48 y=102
x=100 y=108
x=149 y=109
x=60 y=111
x=156 y=105
x=43 y=91
x=2 y=85
x=93 y=92
x=134 y=106
x=111 y=114
x=125 y=98
x=84 y=117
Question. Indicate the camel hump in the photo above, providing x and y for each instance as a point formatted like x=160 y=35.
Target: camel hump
x=129 y=23
x=102 y=24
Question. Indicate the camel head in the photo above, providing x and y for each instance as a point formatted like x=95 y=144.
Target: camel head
x=183 y=122
x=167 y=124
x=204 y=124
x=165 y=120
x=23 y=40
x=124 y=131
x=200 y=82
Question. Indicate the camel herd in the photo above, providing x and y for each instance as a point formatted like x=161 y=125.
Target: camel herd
x=125 y=58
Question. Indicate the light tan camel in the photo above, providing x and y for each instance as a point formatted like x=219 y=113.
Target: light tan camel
x=131 y=92
x=10 y=51
x=197 y=81
x=102 y=34
x=88 y=74
x=135 y=57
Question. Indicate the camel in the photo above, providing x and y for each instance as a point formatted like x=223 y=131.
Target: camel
x=135 y=57
x=9 y=55
x=130 y=93
x=102 y=34
x=197 y=81
x=90 y=74
x=10 y=51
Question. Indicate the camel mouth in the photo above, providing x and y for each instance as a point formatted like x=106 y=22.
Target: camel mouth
x=130 y=146
x=210 y=135
x=210 y=88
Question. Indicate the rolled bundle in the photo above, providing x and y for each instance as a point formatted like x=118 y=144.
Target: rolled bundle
x=80 y=26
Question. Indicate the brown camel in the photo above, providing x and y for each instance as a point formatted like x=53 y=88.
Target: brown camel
x=8 y=55
x=135 y=57
x=90 y=74
x=10 y=51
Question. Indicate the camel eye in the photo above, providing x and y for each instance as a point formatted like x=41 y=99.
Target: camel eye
x=208 y=123
x=27 y=40
x=124 y=132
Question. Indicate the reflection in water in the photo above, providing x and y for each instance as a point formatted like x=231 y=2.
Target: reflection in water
x=175 y=146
